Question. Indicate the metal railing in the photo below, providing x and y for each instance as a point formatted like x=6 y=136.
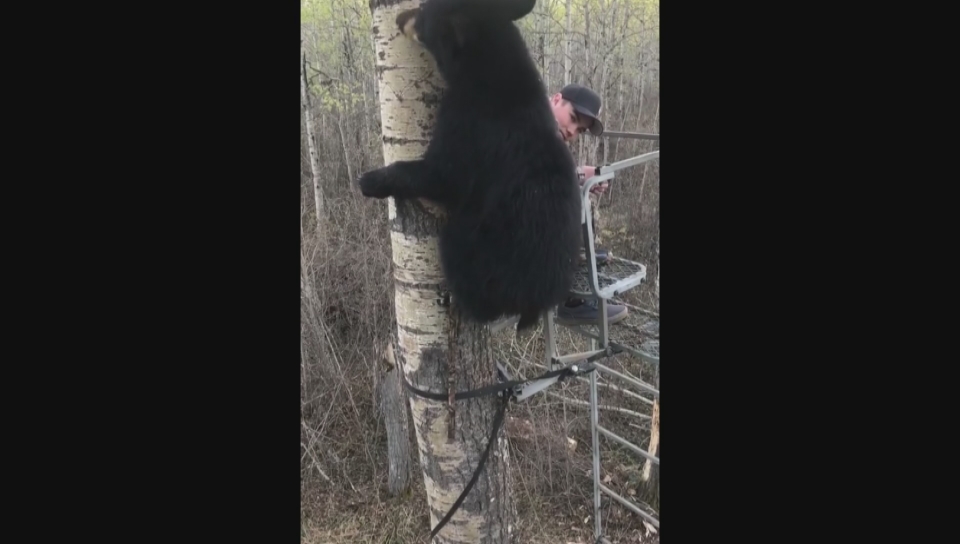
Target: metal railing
x=603 y=287
x=630 y=135
x=618 y=275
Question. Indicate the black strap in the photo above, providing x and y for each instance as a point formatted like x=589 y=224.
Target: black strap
x=497 y=423
x=485 y=390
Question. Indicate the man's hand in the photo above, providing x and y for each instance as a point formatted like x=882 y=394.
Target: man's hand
x=587 y=172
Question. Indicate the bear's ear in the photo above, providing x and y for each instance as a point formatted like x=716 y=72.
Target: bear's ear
x=520 y=8
x=504 y=10
x=407 y=21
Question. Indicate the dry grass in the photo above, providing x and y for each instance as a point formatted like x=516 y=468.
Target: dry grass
x=364 y=518
x=347 y=309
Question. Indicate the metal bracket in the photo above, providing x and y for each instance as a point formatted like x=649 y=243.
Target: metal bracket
x=522 y=392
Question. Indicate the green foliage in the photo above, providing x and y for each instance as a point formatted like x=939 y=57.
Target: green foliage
x=335 y=96
x=315 y=11
x=332 y=30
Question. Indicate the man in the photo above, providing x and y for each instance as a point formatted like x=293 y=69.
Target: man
x=577 y=110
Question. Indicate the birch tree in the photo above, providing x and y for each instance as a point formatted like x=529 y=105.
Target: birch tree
x=435 y=349
x=311 y=142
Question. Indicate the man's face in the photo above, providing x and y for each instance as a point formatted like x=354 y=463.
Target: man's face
x=570 y=124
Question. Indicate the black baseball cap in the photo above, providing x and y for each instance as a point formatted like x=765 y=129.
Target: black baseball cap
x=585 y=102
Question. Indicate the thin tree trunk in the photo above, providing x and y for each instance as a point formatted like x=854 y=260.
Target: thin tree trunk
x=587 y=46
x=654 y=443
x=429 y=341
x=642 y=78
x=394 y=413
x=540 y=29
x=651 y=475
x=364 y=142
x=567 y=39
x=656 y=290
x=621 y=110
x=343 y=146
x=311 y=143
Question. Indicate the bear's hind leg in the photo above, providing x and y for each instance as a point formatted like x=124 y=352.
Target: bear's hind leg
x=528 y=320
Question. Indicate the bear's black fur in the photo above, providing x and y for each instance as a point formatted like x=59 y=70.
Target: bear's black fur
x=496 y=162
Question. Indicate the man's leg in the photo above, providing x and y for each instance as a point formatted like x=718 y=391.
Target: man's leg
x=578 y=311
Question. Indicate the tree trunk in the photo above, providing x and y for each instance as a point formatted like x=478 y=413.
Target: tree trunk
x=651 y=474
x=567 y=39
x=430 y=341
x=311 y=142
x=394 y=413
x=657 y=283
x=343 y=146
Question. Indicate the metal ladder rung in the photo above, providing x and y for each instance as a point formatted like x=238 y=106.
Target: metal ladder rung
x=604 y=281
x=646 y=387
x=635 y=351
x=574 y=357
x=630 y=504
x=638 y=352
x=618 y=439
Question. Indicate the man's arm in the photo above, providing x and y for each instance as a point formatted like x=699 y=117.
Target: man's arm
x=586 y=172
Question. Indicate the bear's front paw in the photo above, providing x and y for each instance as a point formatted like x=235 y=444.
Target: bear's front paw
x=374 y=184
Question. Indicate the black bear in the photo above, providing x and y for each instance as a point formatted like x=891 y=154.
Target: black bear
x=496 y=163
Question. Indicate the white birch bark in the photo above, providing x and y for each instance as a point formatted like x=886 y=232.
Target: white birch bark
x=429 y=341
x=311 y=142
